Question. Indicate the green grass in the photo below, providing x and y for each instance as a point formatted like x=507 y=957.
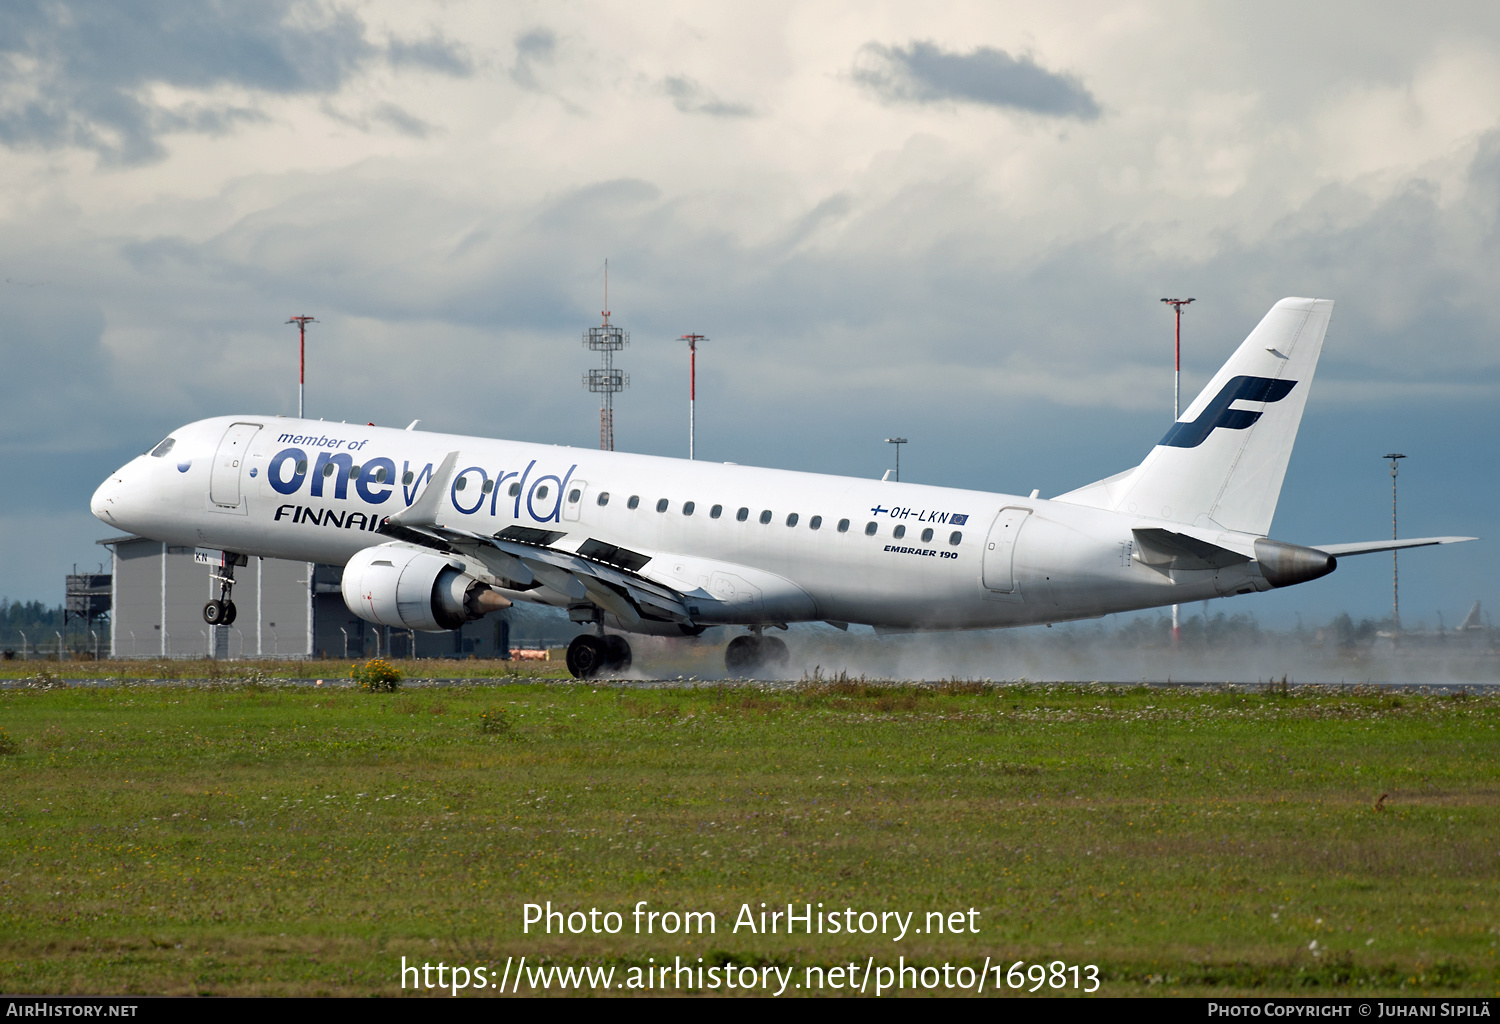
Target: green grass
x=249 y=839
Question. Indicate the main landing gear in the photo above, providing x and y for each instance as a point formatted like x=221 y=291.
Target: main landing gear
x=590 y=655
x=749 y=655
x=221 y=611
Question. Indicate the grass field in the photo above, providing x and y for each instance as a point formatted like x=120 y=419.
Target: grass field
x=266 y=839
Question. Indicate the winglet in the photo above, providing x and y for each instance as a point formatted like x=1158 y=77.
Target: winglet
x=423 y=511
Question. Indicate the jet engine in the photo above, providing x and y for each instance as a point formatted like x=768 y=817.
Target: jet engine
x=415 y=588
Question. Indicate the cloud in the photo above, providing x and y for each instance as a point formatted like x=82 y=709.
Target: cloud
x=431 y=54
x=924 y=73
x=81 y=72
x=534 y=47
x=387 y=114
x=691 y=98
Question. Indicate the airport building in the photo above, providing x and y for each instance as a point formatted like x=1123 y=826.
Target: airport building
x=284 y=610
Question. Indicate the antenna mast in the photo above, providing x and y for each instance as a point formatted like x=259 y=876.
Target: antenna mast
x=606 y=381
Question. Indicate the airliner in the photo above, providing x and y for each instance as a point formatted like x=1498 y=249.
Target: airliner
x=434 y=530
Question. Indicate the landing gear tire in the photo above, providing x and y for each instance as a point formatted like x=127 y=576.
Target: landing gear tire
x=748 y=655
x=229 y=613
x=773 y=652
x=742 y=656
x=587 y=656
x=617 y=651
x=215 y=612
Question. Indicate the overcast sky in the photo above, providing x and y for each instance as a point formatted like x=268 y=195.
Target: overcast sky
x=948 y=221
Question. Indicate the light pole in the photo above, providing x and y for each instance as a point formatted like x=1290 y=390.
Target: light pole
x=301 y=322
x=692 y=340
x=1177 y=305
x=898 y=442
x=1395 y=576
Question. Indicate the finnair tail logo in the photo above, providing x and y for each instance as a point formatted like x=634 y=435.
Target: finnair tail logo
x=1218 y=414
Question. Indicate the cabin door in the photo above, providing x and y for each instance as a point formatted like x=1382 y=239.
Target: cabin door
x=229 y=464
x=1000 y=550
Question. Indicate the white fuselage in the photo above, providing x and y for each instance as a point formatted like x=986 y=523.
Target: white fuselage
x=989 y=559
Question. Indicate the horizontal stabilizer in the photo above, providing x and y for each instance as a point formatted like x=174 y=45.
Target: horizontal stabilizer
x=1368 y=547
x=1168 y=549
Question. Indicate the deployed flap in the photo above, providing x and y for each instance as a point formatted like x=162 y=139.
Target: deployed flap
x=1368 y=547
x=653 y=600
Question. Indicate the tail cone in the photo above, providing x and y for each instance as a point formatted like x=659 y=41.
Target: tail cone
x=1284 y=565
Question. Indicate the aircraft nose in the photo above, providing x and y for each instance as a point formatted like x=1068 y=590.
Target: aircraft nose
x=105 y=502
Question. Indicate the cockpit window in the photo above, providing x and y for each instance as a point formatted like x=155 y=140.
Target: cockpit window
x=163 y=448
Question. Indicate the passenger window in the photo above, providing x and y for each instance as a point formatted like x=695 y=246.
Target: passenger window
x=870 y=529
x=661 y=506
x=955 y=537
x=899 y=532
x=603 y=498
x=843 y=526
x=515 y=489
x=458 y=484
x=406 y=478
x=489 y=485
x=742 y=514
x=688 y=507
x=354 y=472
x=791 y=519
x=573 y=495
x=765 y=517
x=163 y=448
x=634 y=502
x=716 y=512
x=380 y=475
x=541 y=492
x=328 y=470
x=927 y=536
x=815 y=522
x=301 y=466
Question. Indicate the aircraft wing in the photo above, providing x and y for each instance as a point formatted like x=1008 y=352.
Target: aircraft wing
x=1368 y=547
x=524 y=558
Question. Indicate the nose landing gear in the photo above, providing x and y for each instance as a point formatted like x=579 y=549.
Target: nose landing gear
x=221 y=611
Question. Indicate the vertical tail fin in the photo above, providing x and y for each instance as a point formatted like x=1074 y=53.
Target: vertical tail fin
x=1222 y=463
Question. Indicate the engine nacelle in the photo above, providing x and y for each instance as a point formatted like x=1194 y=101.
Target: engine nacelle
x=414 y=588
